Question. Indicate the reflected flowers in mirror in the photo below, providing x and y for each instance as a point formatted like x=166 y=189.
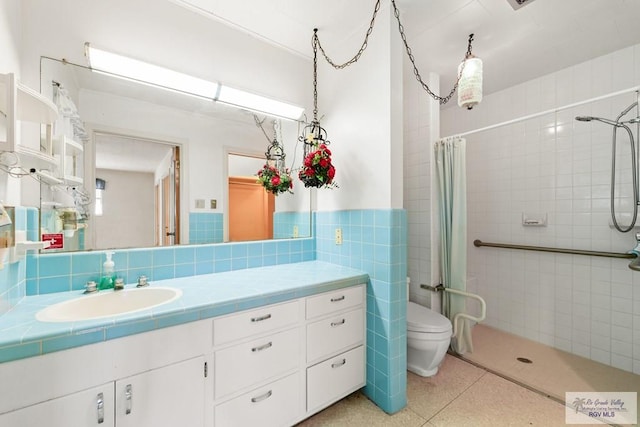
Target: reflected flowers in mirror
x=274 y=180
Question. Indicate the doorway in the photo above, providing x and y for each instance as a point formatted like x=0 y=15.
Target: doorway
x=141 y=199
x=251 y=208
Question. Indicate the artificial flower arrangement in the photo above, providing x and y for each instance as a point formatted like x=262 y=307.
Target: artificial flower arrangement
x=275 y=181
x=317 y=170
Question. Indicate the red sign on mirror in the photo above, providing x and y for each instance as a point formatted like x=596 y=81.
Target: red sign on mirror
x=56 y=239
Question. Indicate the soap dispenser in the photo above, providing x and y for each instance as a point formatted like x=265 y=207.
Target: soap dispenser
x=108 y=272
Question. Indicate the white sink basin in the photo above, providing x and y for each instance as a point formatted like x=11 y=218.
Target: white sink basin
x=108 y=303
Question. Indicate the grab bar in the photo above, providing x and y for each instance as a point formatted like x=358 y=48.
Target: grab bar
x=456 y=318
x=479 y=243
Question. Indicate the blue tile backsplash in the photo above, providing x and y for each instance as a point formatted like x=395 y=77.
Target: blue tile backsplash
x=12 y=275
x=206 y=227
x=70 y=271
x=285 y=224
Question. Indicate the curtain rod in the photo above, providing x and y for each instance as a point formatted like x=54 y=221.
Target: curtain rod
x=478 y=243
x=542 y=113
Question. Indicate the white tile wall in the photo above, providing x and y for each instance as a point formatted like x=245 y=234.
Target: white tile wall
x=554 y=166
x=417 y=198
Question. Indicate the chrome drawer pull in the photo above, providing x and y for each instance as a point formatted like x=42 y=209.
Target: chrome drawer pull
x=262 y=397
x=262 y=347
x=334 y=324
x=100 y=407
x=128 y=395
x=336 y=299
x=261 y=318
x=337 y=365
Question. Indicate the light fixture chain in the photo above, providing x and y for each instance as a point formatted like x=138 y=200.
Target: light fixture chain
x=364 y=45
x=441 y=99
x=317 y=45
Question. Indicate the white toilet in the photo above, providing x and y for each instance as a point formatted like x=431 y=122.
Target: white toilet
x=428 y=338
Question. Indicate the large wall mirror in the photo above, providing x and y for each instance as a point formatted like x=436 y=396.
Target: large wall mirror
x=142 y=166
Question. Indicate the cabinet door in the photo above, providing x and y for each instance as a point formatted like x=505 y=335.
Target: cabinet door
x=92 y=407
x=165 y=397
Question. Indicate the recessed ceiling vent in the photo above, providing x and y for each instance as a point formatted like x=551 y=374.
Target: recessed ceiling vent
x=517 y=4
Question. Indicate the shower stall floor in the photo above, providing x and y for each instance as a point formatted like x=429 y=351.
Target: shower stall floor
x=551 y=371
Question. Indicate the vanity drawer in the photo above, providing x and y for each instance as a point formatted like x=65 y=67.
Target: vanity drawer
x=249 y=363
x=332 y=334
x=335 y=300
x=335 y=378
x=253 y=322
x=276 y=404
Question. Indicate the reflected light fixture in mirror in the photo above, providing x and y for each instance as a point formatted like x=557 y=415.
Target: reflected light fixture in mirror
x=145 y=73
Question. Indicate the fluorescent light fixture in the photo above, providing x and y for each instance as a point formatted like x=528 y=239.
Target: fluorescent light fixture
x=144 y=73
x=258 y=103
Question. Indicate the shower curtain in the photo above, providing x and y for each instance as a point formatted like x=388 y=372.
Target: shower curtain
x=451 y=217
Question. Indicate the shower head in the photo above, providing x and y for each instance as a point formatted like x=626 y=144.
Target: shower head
x=597 y=119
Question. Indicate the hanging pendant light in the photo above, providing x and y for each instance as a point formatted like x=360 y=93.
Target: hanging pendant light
x=317 y=169
x=274 y=175
x=470 y=83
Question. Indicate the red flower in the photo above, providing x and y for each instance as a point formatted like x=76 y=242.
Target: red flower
x=308 y=160
x=309 y=172
x=324 y=162
x=331 y=172
x=275 y=180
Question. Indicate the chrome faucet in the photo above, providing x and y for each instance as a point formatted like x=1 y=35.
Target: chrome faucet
x=142 y=282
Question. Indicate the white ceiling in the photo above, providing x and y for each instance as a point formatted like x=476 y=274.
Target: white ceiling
x=129 y=154
x=515 y=46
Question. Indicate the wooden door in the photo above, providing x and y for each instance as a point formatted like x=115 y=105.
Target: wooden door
x=158 y=231
x=250 y=210
x=168 y=204
x=167 y=236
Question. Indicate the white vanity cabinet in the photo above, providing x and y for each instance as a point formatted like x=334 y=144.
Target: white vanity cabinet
x=258 y=365
x=167 y=396
x=155 y=379
x=94 y=406
x=280 y=364
x=335 y=346
x=270 y=366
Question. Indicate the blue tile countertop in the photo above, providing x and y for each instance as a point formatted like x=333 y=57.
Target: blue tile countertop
x=204 y=296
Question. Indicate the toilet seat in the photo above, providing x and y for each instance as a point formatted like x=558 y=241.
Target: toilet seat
x=422 y=319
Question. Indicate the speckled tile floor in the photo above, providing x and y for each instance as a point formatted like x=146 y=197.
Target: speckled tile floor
x=476 y=393
x=459 y=395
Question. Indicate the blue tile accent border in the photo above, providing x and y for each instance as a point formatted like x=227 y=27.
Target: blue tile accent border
x=286 y=224
x=206 y=227
x=60 y=272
